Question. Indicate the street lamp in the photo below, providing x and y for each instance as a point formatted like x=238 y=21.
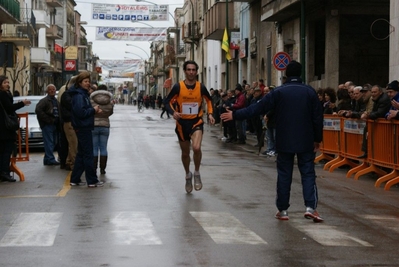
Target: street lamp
x=143 y=78
x=127 y=52
x=139 y=48
x=135 y=21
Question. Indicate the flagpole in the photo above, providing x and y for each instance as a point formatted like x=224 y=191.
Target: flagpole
x=227 y=61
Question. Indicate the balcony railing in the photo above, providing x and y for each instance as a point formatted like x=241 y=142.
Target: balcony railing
x=11 y=7
x=54 y=3
x=181 y=51
x=40 y=55
x=18 y=38
x=215 y=21
x=54 y=32
x=83 y=41
x=42 y=18
x=27 y=17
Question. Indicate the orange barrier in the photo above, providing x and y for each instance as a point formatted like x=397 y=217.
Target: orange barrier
x=18 y=154
x=350 y=140
x=331 y=138
x=385 y=151
x=346 y=143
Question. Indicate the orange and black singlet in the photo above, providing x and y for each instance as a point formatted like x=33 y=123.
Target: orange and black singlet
x=188 y=101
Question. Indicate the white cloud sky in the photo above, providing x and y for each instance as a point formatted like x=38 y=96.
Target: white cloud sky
x=116 y=49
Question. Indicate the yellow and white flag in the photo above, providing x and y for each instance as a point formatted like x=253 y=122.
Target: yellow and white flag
x=225 y=44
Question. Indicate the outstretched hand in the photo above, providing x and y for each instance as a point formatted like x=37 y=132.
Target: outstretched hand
x=227 y=116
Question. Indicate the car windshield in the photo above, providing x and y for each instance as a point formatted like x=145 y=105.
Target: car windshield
x=30 y=109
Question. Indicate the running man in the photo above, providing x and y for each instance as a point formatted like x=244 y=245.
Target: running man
x=188 y=95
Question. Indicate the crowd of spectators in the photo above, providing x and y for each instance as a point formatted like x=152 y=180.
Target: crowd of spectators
x=347 y=100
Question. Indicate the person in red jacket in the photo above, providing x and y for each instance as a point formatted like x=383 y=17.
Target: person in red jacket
x=262 y=86
x=239 y=104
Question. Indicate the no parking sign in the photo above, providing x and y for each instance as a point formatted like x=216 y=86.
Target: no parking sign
x=281 y=60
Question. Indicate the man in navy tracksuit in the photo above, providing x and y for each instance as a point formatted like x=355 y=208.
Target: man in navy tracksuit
x=299 y=130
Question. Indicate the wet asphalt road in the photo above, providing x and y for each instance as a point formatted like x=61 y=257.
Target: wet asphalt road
x=143 y=217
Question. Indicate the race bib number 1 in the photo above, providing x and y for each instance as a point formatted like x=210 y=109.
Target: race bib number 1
x=190 y=108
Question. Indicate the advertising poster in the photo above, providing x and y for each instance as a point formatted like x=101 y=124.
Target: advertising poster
x=120 y=12
x=131 y=34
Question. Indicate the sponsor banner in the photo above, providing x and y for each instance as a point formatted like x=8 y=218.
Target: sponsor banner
x=122 y=68
x=354 y=126
x=121 y=12
x=332 y=124
x=70 y=65
x=131 y=34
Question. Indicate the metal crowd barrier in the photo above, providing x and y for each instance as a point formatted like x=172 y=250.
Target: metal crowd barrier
x=342 y=142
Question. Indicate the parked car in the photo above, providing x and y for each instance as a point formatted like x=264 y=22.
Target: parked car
x=35 y=138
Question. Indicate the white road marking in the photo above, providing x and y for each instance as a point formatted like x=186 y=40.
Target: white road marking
x=134 y=228
x=224 y=228
x=328 y=235
x=32 y=230
x=387 y=222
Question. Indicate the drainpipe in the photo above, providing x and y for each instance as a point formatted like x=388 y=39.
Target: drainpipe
x=227 y=61
x=303 y=41
x=192 y=30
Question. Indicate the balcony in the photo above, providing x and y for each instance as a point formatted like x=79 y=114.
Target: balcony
x=54 y=3
x=42 y=18
x=181 y=52
x=215 y=21
x=28 y=21
x=40 y=55
x=9 y=12
x=247 y=1
x=54 y=32
x=18 y=38
x=281 y=11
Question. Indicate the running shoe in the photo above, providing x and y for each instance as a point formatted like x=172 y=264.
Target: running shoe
x=282 y=215
x=98 y=184
x=77 y=184
x=189 y=183
x=197 y=182
x=313 y=214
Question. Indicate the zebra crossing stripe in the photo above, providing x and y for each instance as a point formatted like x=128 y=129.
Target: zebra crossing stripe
x=134 y=228
x=387 y=222
x=224 y=228
x=32 y=230
x=328 y=235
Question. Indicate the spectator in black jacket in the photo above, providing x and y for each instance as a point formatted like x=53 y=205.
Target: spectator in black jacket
x=299 y=130
x=7 y=137
x=48 y=115
x=382 y=104
x=82 y=118
x=69 y=132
